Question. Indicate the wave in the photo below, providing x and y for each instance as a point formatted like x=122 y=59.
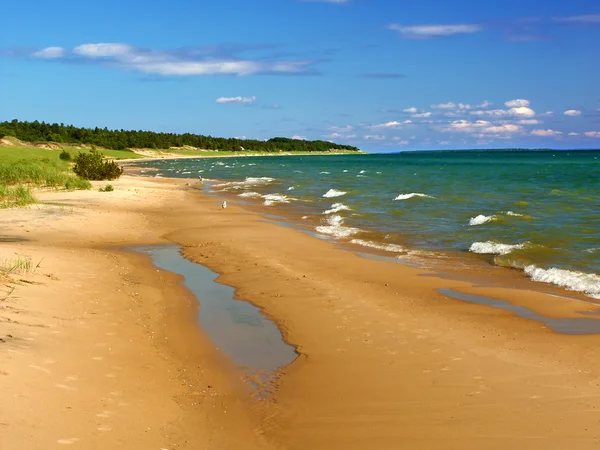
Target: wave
x=385 y=247
x=248 y=182
x=494 y=248
x=337 y=207
x=587 y=283
x=324 y=173
x=250 y=195
x=291 y=188
x=411 y=195
x=514 y=214
x=480 y=219
x=592 y=250
x=333 y=193
x=272 y=199
x=336 y=228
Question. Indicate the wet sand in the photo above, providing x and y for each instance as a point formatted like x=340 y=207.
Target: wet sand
x=386 y=360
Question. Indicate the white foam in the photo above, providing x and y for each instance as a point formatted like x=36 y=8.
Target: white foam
x=248 y=182
x=336 y=228
x=386 y=247
x=325 y=173
x=480 y=219
x=337 y=207
x=493 y=248
x=333 y=193
x=271 y=199
x=250 y=195
x=587 y=283
x=291 y=188
x=510 y=213
x=362 y=171
x=411 y=195
x=592 y=250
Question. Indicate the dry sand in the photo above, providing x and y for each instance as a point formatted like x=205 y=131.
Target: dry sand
x=104 y=351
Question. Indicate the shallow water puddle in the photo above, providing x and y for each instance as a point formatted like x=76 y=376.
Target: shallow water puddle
x=574 y=326
x=237 y=328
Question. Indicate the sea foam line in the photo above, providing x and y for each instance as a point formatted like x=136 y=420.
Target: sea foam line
x=385 y=247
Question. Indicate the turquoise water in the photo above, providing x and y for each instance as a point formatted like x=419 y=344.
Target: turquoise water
x=535 y=211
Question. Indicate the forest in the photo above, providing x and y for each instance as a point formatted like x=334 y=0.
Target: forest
x=38 y=132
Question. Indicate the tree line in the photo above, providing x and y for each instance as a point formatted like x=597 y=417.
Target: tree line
x=125 y=139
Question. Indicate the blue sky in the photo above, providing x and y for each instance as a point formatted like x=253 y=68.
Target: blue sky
x=383 y=75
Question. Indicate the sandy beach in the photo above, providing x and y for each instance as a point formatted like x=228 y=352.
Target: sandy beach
x=100 y=349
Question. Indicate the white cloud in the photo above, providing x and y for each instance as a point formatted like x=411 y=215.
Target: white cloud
x=411 y=110
x=485 y=104
x=572 y=113
x=238 y=99
x=548 y=113
x=433 y=31
x=518 y=103
x=299 y=138
x=546 y=133
x=592 y=134
x=103 y=50
x=421 y=115
x=449 y=105
x=50 y=52
x=529 y=122
x=573 y=134
x=522 y=111
x=506 y=128
x=481 y=127
x=374 y=137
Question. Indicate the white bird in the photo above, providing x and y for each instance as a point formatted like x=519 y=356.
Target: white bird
x=224 y=205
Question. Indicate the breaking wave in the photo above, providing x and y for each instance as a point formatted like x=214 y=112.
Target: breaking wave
x=480 y=219
x=587 y=283
x=385 y=247
x=333 y=193
x=335 y=227
x=494 y=248
x=412 y=195
x=337 y=207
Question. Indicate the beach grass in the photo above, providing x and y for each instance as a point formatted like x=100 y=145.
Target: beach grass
x=15 y=196
x=25 y=168
x=19 y=264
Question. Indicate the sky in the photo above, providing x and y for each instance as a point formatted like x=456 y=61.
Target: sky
x=383 y=75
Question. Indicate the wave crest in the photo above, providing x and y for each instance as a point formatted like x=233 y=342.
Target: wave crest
x=412 y=195
x=587 y=283
x=494 y=248
x=333 y=193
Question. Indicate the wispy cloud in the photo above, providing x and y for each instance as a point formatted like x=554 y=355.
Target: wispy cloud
x=236 y=100
x=212 y=60
x=389 y=125
x=581 y=19
x=50 y=52
x=592 y=134
x=433 y=31
x=572 y=113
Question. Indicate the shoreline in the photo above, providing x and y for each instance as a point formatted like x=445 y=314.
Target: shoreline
x=387 y=362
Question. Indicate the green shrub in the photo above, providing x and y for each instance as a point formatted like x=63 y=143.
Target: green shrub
x=107 y=188
x=65 y=155
x=92 y=166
